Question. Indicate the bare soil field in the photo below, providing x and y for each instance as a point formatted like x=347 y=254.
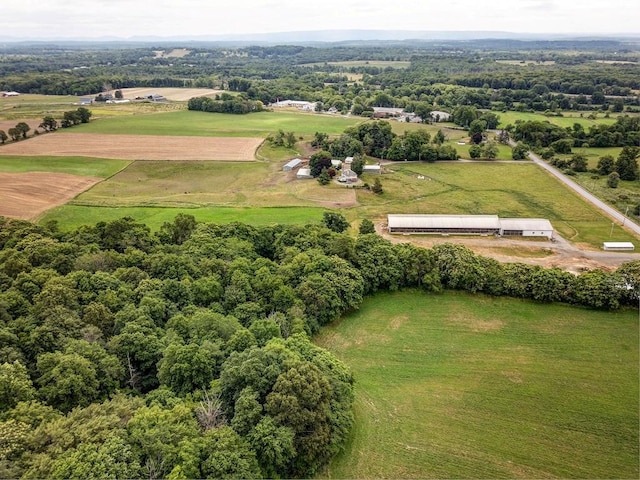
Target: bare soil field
x=27 y=195
x=175 y=94
x=7 y=124
x=137 y=147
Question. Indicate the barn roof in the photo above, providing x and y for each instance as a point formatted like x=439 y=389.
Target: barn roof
x=530 y=224
x=293 y=163
x=444 y=221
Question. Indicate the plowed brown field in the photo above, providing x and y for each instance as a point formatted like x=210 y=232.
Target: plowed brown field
x=137 y=147
x=27 y=195
x=7 y=124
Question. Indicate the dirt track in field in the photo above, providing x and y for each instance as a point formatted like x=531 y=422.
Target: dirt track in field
x=137 y=147
x=27 y=195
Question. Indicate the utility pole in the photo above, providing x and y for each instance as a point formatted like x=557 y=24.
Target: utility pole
x=625 y=215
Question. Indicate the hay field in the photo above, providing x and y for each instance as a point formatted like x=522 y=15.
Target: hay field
x=26 y=195
x=137 y=147
x=173 y=94
x=468 y=386
x=198 y=184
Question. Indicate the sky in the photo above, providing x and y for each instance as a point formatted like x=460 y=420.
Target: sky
x=130 y=18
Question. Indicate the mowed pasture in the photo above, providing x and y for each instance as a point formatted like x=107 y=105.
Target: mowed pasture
x=515 y=189
x=505 y=189
x=70 y=217
x=192 y=123
x=137 y=147
x=196 y=184
x=566 y=120
x=468 y=386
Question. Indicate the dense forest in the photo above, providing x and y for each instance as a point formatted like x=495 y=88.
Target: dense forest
x=536 y=76
x=186 y=353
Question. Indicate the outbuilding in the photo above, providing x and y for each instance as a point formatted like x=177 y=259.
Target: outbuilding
x=295 y=163
x=304 y=173
x=618 y=246
x=526 y=227
x=374 y=169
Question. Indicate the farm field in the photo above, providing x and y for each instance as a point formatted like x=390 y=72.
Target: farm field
x=31 y=108
x=567 y=120
x=468 y=386
x=172 y=94
x=504 y=189
x=192 y=123
x=27 y=195
x=192 y=184
x=70 y=217
x=137 y=147
x=93 y=167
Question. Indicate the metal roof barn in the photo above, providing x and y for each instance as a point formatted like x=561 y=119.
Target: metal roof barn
x=460 y=224
x=296 y=162
x=526 y=227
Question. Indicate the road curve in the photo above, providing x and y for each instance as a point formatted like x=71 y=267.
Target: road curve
x=612 y=213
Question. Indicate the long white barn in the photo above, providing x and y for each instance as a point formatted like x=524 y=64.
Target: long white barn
x=469 y=225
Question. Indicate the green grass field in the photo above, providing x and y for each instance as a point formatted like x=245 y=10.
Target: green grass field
x=504 y=189
x=84 y=166
x=190 y=123
x=463 y=386
x=36 y=106
x=567 y=120
x=70 y=217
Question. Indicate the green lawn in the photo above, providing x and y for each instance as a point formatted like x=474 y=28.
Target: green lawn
x=504 y=189
x=90 y=167
x=70 y=217
x=463 y=386
x=190 y=123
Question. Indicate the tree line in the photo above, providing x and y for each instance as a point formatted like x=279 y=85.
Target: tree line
x=225 y=103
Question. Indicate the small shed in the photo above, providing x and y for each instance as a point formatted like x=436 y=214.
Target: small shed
x=348 y=160
x=375 y=169
x=291 y=164
x=304 y=173
x=618 y=246
x=336 y=164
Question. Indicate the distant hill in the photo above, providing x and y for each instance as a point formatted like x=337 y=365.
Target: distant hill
x=332 y=36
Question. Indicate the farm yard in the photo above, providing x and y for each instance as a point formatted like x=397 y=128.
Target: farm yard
x=202 y=148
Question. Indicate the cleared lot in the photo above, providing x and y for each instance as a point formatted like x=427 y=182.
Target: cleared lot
x=27 y=195
x=137 y=147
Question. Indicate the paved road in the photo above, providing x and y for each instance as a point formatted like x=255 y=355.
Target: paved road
x=609 y=211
